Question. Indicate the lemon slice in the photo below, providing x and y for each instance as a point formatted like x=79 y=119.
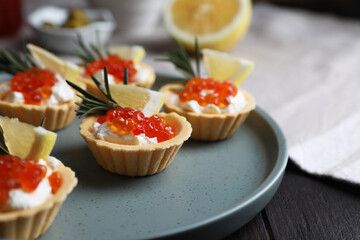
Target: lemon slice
x=135 y=53
x=222 y=66
x=138 y=98
x=67 y=70
x=26 y=141
x=218 y=24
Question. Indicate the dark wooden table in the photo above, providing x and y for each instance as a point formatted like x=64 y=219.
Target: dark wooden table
x=307 y=207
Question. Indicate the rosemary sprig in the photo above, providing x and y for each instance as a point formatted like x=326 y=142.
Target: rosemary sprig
x=13 y=62
x=197 y=56
x=90 y=53
x=42 y=122
x=181 y=60
x=92 y=104
x=3 y=148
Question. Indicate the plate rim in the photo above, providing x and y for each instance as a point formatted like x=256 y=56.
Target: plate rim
x=270 y=181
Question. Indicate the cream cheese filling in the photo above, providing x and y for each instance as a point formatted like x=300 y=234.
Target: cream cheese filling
x=236 y=104
x=103 y=132
x=19 y=199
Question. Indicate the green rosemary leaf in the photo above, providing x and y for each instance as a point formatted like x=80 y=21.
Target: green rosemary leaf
x=83 y=57
x=97 y=82
x=97 y=50
x=3 y=149
x=92 y=104
x=92 y=101
x=197 y=56
x=13 y=66
x=106 y=80
x=86 y=52
x=180 y=59
x=126 y=76
x=42 y=122
x=83 y=92
x=92 y=111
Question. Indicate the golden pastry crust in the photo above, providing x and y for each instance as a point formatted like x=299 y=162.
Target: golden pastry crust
x=208 y=127
x=32 y=222
x=93 y=89
x=136 y=160
x=57 y=116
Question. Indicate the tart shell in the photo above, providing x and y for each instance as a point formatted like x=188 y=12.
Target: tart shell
x=32 y=222
x=136 y=160
x=93 y=89
x=57 y=116
x=208 y=127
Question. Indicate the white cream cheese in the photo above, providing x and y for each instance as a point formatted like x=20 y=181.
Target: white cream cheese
x=19 y=199
x=236 y=104
x=99 y=75
x=141 y=75
x=102 y=131
x=61 y=92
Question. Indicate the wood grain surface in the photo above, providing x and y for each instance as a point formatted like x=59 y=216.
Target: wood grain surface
x=307 y=207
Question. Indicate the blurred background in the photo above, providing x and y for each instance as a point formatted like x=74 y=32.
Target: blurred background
x=14 y=13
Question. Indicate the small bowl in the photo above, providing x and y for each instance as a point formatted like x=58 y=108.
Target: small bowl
x=136 y=18
x=63 y=40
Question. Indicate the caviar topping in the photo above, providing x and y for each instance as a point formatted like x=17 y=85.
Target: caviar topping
x=208 y=91
x=129 y=121
x=115 y=66
x=35 y=84
x=23 y=173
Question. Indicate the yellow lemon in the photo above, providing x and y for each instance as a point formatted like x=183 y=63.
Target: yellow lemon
x=26 y=141
x=222 y=66
x=218 y=24
x=68 y=71
x=138 y=98
x=135 y=53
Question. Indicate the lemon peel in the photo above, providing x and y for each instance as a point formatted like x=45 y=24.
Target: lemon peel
x=141 y=99
x=67 y=70
x=222 y=66
x=135 y=52
x=218 y=24
x=26 y=141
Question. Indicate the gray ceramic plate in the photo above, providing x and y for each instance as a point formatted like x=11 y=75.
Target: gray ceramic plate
x=209 y=190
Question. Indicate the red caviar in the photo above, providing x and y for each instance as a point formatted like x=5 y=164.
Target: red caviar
x=34 y=83
x=115 y=66
x=127 y=120
x=208 y=91
x=55 y=180
x=22 y=173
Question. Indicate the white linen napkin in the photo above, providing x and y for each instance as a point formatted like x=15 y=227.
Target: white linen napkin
x=307 y=77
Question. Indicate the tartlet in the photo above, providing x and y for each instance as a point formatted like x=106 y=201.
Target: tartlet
x=93 y=89
x=33 y=184
x=208 y=127
x=116 y=58
x=57 y=116
x=60 y=113
x=136 y=160
x=214 y=105
x=32 y=222
x=126 y=141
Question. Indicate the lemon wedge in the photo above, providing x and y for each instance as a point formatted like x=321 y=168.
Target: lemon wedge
x=222 y=66
x=138 y=98
x=218 y=24
x=26 y=141
x=135 y=53
x=68 y=71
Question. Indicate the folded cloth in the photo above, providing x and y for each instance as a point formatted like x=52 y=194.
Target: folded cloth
x=307 y=77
